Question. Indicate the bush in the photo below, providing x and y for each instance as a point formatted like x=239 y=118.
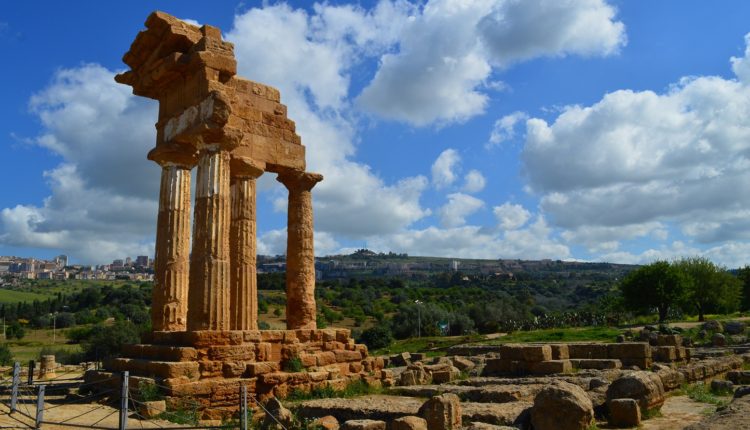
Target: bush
x=106 y=341
x=379 y=336
x=262 y=325
x=15 y=330
x=6 y=358
x=294 y=364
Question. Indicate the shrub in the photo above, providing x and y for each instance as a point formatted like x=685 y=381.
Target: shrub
x=379 y=336
x=294 y=364
x=106 y=341
x=6 y=358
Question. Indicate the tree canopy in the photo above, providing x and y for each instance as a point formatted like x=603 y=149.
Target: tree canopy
x=658 y=285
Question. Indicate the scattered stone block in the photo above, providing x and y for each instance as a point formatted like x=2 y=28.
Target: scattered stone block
x=562 y=406
x=403 y=359
x=596 y=364
x=721 y=386
x=153 y=408
x=645 y=387
x=280 y=413
x=718 y=340
x=551 y=367
x=463 y=364
x=442 y=412
x=624 y=413
x=409 y=423
x=588 y=350
x=734 y=327
x=328 y=422
x=363 y=425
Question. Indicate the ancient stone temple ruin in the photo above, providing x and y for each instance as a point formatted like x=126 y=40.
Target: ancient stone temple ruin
x=205 y=341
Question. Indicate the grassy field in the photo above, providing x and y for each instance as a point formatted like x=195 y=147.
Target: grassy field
x=578 y=334
x=15 y=296
x=29 y=347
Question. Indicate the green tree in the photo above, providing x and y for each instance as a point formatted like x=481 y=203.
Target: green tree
x=744 y=276
x=376 y=337
x=657 y=285
x=106 y=340
x=709 y=288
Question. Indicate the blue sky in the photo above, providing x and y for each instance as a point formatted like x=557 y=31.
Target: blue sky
x=583 y=129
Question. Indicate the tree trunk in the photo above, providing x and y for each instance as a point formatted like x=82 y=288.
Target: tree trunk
x=663 y=313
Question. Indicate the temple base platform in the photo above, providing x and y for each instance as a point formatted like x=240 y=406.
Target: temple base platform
x=209 y=367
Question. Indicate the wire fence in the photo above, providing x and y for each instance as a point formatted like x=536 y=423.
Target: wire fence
x=106 y=404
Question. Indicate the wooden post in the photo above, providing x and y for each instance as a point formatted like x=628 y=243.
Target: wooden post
x=32 y=366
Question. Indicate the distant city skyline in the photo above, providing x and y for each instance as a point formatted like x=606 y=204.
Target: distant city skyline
x=594 y=130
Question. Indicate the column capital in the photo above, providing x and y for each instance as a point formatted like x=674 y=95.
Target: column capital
x=298 y=180
x=245 y=168
x=172 y=153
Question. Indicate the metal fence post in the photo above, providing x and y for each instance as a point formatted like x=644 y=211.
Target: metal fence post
x=32 y=366
x=124 y=402
x=14 y=390
x=243 y=407
x=40 y=407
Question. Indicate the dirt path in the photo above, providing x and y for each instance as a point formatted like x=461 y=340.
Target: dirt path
x=88 y=414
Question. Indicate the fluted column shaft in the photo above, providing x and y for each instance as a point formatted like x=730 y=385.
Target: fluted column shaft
x=300 y=255
x=171 y=265
x=208 y=299
x=243 y=285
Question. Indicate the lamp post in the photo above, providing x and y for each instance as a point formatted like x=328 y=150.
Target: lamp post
x=54 y=327
x=419 y=319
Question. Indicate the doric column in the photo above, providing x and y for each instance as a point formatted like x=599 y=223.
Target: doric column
x=208 y=297
x=243 y=284
x=171 y=265
x=300 y=255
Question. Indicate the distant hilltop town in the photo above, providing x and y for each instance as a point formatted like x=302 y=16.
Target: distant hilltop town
x=138 y=269
x=361 y=263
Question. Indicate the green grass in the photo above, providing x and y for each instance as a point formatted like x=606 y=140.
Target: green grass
x=702 y=393
x=432 y=346
x=354 y=389
x=29 y=347
x=15 y=296
x=578 y=334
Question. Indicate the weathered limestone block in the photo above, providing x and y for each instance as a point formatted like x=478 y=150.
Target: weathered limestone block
x=589 y=350
x=529 y=353
x=328 y=422
x=628 y=350
x=645 y=387
x=562 y=406
x=363 y=425
x=343 y=356
x=559 y=351
x=262 y=367
x=596 y=364
x=624 y=413
x=550 y=367
x=232 y=352
x=160 y=352
x=665 y=354
x=409 y=423
x=463 y=364
x=442 y=412
x=152 y=409
x=280 y=415
x=669 y=340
